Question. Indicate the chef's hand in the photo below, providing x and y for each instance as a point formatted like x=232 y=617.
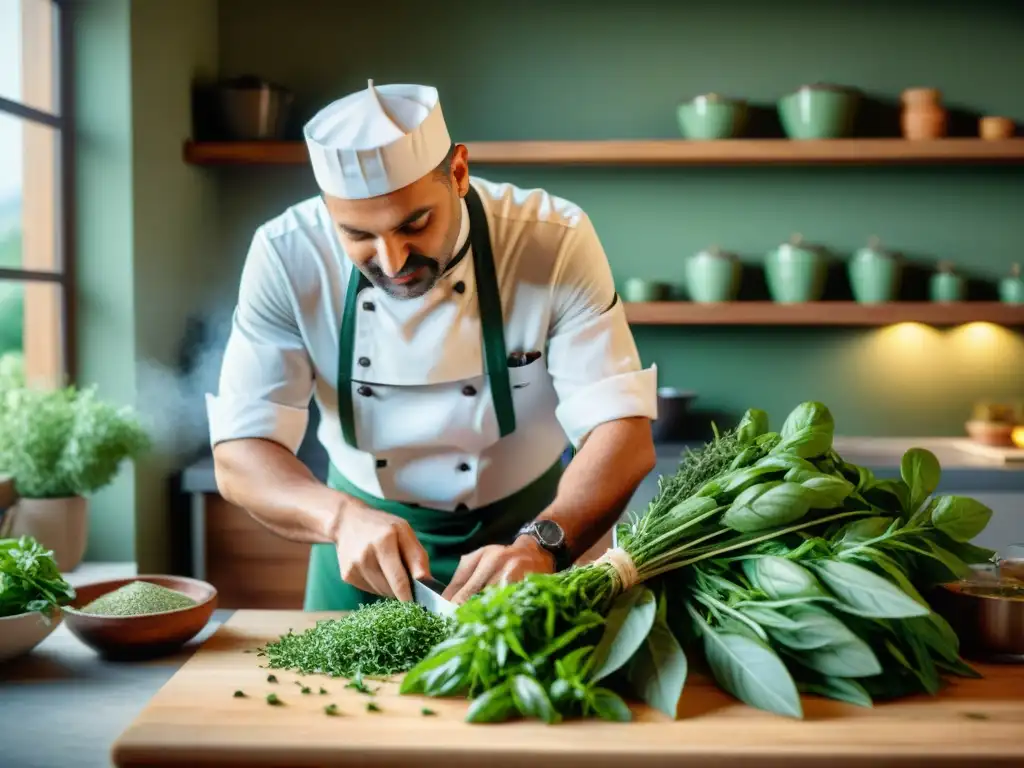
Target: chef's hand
x=494 y=564
x=377 y=551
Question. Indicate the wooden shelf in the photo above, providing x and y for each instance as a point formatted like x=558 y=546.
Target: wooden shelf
x=661 y=152
x=823 y=313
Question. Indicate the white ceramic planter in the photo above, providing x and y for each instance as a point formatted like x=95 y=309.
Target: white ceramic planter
x=58 y=524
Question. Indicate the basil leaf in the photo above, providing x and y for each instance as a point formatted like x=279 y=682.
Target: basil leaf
x=807 y=432
x=629 y=621
x=752 y=672
x=780 y=578
x=778 y=504
x=959 y=517
x=957 y=567
x=493 y=706
x=753 y=424
x=866 y=592
x=657 y=671
x=859 y=531
x=921 y=471
x=532 y=701
x=609 y=705
x=893 y=488
x=786 y=462
x=969 y=553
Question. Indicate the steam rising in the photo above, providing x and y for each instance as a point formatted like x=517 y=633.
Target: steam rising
x=172 y=401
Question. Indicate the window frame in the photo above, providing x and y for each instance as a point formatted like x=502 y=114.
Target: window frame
x=64 y=179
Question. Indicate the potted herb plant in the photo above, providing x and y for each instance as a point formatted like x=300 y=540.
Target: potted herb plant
x=59 y=446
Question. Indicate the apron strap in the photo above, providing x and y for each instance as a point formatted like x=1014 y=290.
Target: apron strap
x=489 y=297
x=491 y=320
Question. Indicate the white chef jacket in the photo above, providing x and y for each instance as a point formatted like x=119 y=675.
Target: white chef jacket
x=428 y=434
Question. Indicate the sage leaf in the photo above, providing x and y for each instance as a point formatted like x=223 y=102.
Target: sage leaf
x=838 y=688
x=494 y=706
x=629 y=621
x=609 y=705
x=753 y=424
x=921 y=471
x=657 y=671
x=817 y=628
x=532 y=700
x=778 y=504
x=807 y=432
x=769 y=617
x=960 y=517
x=850 y=658
x=780 y=578
x=752 y=672
x=866 y=592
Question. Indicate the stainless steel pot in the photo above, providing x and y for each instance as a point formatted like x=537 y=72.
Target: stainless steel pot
x=987 y=612
x=253 y=109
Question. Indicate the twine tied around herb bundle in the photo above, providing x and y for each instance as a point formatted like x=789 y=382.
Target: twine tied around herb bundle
x=622 y=564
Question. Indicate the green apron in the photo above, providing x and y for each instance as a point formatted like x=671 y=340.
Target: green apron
x=446 y=536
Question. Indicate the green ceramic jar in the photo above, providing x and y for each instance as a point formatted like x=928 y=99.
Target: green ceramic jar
x=874 y=275
x=639 y=290
x=1011 y=287
x=819 y=111
x=945 y=285
x=712 y=117
x=796 y=272
x=712 y=276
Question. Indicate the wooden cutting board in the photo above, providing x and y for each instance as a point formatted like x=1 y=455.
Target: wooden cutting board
x=194 y=720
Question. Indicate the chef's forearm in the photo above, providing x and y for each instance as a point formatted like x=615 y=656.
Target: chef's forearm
x=277 y=489
x=599 y=482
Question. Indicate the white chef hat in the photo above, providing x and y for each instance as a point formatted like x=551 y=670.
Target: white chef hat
x=375 y=141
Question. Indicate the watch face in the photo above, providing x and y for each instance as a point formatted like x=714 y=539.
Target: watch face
x=550 y=533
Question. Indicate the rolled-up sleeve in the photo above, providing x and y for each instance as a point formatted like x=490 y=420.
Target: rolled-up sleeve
x=592 y=356
x=266 y=378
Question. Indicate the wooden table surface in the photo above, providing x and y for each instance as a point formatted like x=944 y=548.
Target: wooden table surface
x=196 y=720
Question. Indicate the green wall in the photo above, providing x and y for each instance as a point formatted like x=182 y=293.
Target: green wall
x=604 y=70
x=145 y=229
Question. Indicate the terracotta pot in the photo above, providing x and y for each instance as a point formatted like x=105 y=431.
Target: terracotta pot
x=921 y=97
x=58 y=524
x=922 y=123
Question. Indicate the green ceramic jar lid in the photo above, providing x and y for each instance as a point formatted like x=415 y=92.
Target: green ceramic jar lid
x=717 y=253
x=874 y=249
x=716 y=98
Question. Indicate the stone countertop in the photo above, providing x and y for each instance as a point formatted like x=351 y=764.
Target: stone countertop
x=961 y=471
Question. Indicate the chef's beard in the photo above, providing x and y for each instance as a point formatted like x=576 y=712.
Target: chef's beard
x=427 y=272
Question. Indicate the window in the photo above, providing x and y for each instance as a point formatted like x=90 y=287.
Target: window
x=35 y=188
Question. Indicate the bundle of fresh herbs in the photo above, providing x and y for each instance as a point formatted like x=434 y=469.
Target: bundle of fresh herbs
x=30 y=580
x=767 y=559
x=377 y=639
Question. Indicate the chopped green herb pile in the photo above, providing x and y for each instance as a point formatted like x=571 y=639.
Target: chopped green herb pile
x=30 y=580
x=271 y=678
x=784 y=568
x=273 y=700
x=138 y=598
x=331 y=709
x=323 y=692
x=383 y=638
x=427 y=711
x=371 y=707
x=239 y=694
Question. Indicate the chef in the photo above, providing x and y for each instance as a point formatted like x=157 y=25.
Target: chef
x=457 y=334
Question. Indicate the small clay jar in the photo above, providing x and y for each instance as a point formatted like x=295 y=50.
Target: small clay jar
x=923 y=114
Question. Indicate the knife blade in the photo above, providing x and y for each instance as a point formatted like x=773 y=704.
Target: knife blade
x=427 y=592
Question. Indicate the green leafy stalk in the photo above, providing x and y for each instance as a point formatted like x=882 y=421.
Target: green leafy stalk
x=30 y=580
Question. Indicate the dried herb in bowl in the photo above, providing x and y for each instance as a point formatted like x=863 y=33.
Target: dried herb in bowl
x=139 y=598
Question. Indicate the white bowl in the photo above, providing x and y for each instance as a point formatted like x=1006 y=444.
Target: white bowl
x=21 y=633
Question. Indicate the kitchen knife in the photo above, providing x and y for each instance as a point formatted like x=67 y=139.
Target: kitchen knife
x=427 y=592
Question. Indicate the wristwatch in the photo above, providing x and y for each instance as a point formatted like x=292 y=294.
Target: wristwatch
x=550 y=536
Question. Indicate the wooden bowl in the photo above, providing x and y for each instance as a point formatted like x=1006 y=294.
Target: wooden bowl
x=990 y=433
x=147 y=636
